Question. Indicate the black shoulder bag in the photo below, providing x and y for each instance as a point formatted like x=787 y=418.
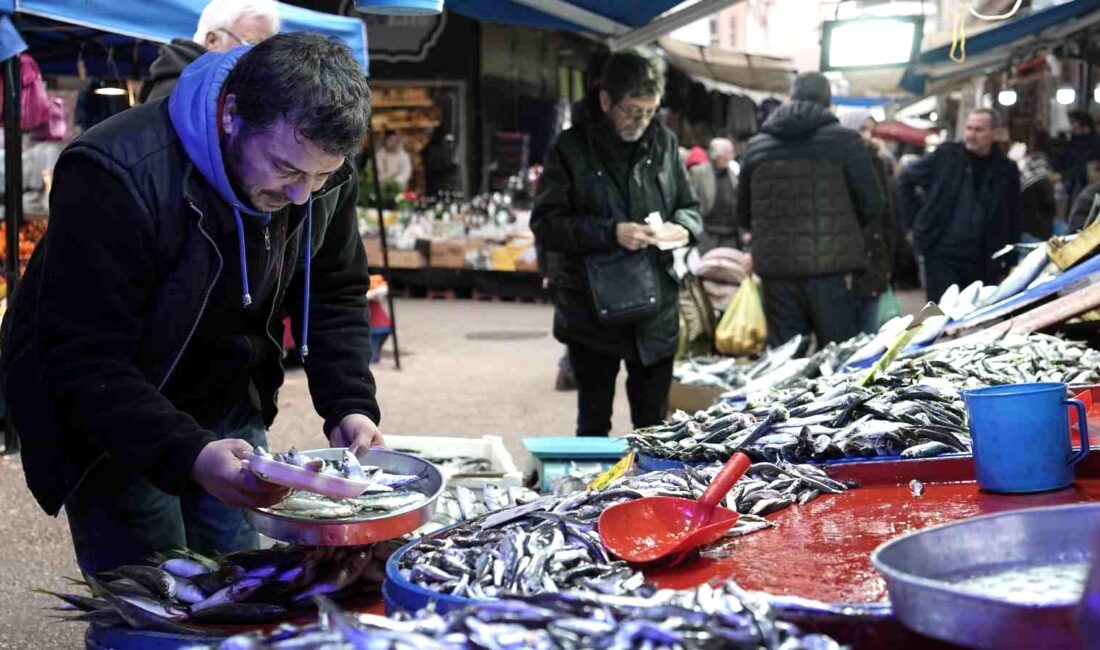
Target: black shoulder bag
x=623 y=285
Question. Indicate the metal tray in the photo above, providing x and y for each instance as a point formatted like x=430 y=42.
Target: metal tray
x=359 y=530
x=1031 y=564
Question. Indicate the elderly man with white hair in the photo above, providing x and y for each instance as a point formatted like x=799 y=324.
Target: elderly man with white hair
x=716 y=184
x=223 y=25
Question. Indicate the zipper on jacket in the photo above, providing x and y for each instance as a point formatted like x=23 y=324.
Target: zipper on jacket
x=205 y=298
x=267 y=238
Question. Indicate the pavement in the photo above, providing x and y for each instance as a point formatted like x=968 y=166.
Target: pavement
x=468 y=369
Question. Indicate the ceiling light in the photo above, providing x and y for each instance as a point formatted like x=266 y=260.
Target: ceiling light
x=1065 y=96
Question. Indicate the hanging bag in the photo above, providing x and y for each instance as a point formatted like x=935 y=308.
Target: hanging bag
x=34 y=103
x=623 y=285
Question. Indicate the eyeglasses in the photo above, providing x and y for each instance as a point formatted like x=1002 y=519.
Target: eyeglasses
x=238 y=38
x=636 y=114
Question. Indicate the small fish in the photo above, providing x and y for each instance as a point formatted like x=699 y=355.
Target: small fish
x=183 y=568
x=238 y=614
x=158 y=581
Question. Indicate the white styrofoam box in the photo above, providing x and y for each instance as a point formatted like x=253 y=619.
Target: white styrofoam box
x=492 y=448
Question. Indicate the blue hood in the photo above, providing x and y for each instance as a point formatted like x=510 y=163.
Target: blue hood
x=193 y=108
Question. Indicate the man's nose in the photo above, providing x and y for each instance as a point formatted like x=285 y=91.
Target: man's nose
x=298 y=193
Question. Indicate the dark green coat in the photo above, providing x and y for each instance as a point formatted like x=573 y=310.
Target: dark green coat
x=575 y=213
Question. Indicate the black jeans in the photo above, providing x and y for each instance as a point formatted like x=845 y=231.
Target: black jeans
x=942 y=272
x=823 y=306
x=117 y=517
x=595 y=373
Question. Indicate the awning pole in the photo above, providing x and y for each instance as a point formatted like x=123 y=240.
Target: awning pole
x=385 y=245
x=13 y=201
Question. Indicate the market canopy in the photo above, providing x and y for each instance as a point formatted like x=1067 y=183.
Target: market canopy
x=59 y=32
x=995 y=46
x=753 y=71
x=604 y=17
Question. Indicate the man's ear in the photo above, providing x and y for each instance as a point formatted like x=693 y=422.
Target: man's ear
x=605 y=101
x=211 y=40
x=230 y=118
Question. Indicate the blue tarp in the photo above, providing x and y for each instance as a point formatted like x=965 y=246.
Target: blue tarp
x=58 y=30
x=1005 y=33
x=632 y=13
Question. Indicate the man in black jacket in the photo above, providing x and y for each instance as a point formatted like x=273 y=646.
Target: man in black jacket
x=602 y=179
x=807 y=193
x=223 y=25
x=969 y=208
x=142 y=351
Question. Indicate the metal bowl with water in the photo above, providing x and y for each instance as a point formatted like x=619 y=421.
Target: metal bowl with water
x=355 y=531
x=1008 y=580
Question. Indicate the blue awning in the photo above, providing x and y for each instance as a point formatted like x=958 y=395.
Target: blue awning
x=630 y=13
x=58 y=31
x=1003 y=35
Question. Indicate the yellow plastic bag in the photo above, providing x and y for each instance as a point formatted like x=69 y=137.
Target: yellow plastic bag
x=743 y=330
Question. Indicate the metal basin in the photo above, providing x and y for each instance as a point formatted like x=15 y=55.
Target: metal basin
x=355 y=531
x=1008 y=580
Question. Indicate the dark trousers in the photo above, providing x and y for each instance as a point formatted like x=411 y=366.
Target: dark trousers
x=595 y=374
x=942 y=272
x=822 y=306
x=117 y=517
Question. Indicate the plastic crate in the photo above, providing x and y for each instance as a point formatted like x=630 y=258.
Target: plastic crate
x=503 y=467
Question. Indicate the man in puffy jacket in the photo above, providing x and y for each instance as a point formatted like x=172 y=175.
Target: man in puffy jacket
x=807 y=193
x=142 y=352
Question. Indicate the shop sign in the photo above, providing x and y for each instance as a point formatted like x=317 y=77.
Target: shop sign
x=398 y=38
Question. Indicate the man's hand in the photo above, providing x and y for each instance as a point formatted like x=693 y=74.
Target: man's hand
x=673 y=233
x=634 y=236
x=219 y=470
x=356 y=431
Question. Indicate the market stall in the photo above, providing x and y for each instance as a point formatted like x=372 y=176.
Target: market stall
x=860 y=449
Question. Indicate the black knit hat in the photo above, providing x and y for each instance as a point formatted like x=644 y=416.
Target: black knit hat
x=812 y=87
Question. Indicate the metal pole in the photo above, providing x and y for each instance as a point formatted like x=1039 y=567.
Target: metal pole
x=385 y=246
x=13 y=200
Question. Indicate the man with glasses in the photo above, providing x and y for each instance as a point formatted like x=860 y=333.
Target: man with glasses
x=613 y=183
x=223 y=25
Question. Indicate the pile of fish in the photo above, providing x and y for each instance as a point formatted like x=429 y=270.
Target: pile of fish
x=707 y=617
x=552 y=545
x=995 y=359
x=773 y=370
x=240 y=588
x=817 y=421
x=460 y=503
x=347 y=467
x=913 y=409
x=307 y=505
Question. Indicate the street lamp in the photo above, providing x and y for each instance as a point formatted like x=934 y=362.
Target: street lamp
x=1065 y=96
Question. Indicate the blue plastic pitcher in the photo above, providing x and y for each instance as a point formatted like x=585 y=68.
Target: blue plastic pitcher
x=1021 y=437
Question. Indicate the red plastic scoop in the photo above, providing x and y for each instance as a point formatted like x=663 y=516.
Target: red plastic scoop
x=652 y=528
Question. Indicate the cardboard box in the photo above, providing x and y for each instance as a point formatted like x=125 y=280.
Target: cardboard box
x=447 y=253
x=399 y=259
x=685 y=397
x=451 y=253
